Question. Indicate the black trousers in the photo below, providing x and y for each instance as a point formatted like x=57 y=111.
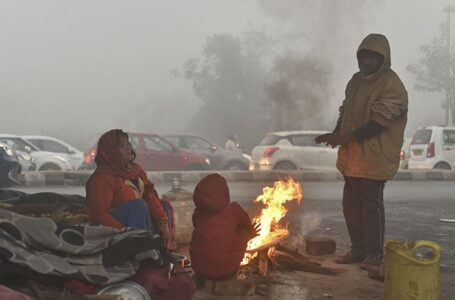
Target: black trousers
x=363 y=208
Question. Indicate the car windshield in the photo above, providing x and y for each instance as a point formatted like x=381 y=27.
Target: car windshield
x=270 y=139
x=422 y=136
x=17 y=144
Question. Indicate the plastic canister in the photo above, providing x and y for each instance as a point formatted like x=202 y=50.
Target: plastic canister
x=411 y=270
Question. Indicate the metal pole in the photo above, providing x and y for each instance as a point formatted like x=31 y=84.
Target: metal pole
x=450 y=106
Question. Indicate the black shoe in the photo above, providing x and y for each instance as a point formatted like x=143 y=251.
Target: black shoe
x=371 y=262
x=349 y=258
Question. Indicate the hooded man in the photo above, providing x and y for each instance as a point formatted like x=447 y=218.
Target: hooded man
x=370 y=131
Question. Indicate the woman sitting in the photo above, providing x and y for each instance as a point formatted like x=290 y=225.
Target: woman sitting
x=118 y=192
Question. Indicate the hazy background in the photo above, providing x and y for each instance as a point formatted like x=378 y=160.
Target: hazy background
x=73 y=69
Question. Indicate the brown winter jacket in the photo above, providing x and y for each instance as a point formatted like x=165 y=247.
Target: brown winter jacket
x=380 y=97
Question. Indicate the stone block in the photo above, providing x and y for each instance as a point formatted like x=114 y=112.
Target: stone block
x=319 y=245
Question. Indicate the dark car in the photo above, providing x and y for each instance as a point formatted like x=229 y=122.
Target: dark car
x=220 y=158
x=155 y=153
x=10 y=167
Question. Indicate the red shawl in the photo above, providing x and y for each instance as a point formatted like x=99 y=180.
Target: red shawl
x=109 y=160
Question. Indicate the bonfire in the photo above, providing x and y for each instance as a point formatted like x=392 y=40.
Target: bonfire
x=268 y=222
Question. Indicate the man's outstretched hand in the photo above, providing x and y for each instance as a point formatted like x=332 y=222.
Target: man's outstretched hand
x=333 y=139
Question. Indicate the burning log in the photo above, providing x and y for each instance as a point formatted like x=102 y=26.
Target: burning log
x=293 y=260
x=270 y=232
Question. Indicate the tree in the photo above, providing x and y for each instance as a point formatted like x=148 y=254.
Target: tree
x=229 y=80
x=435 y=71
x=245 y=81
x=298 y=92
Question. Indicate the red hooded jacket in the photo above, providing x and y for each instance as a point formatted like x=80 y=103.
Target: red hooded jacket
x=221 y=230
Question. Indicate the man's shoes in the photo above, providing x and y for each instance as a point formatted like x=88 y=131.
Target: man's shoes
x=371 y=262
x=349 y=258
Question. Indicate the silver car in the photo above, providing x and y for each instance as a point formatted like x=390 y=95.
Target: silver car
x=292 y=150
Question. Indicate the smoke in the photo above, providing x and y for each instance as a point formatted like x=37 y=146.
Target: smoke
x=310 y=222
x=298 y=92
x=310 y=74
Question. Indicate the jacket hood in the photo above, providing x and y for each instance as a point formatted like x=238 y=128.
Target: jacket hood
x=377 y=43
x=211 y=193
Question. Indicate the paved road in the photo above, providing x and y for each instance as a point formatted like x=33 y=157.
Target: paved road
x=413 y=210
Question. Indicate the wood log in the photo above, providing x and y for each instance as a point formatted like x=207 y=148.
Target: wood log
x=291 y=252
x=296 y=264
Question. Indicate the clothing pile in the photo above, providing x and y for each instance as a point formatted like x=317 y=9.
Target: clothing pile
x=51 y=250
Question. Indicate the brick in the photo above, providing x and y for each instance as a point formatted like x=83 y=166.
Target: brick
x=319 y=245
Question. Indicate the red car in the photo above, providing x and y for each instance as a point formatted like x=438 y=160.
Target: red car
x=154 y=153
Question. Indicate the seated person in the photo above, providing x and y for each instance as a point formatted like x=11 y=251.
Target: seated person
x=120 y=195
x=118 y=192
x=221 y=231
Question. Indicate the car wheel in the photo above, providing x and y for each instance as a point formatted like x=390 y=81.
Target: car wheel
x=285 y=165
x=194 y=168
x=235 y=166
x=442 y=166
x=49 y=167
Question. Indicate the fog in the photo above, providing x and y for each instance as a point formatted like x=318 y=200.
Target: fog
x=74 y=69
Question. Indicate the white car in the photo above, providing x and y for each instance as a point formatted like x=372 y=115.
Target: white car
x=292 y=150
x=44 y=160
x=404 y=153
x=433 y=147
x=50 y=144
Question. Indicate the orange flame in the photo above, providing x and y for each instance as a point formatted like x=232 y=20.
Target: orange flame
x=273 y=199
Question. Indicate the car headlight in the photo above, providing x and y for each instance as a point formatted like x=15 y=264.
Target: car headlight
x=246 y=156
x=207 y=161
x=8 y=151
x=26 y=156
x=61 y=158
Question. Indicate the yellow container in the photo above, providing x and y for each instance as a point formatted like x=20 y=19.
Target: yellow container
x=411 y=270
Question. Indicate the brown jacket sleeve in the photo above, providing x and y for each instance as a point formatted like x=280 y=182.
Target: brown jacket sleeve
x=392 y=104
x=100 y=193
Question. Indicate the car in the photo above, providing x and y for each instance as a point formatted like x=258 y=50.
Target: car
x=404 y=153
x=154 y=153
x=10 y=167
x=433 y=147
x=51 y=144
x=44 y=160
x=292 y=150
x=220 y=158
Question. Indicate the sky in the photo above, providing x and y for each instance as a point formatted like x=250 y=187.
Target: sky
x=74 y=69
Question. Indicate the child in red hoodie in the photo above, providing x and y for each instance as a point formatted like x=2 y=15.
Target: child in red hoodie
x=221 y=231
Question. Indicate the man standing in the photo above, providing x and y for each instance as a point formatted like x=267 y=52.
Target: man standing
x=232 y=143
x=370 y=132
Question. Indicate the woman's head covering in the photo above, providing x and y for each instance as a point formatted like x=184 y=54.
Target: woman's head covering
x=109 y=159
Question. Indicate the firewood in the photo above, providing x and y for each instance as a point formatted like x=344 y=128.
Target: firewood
x=303 y=260
x=294 y=253
x=299 y=265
